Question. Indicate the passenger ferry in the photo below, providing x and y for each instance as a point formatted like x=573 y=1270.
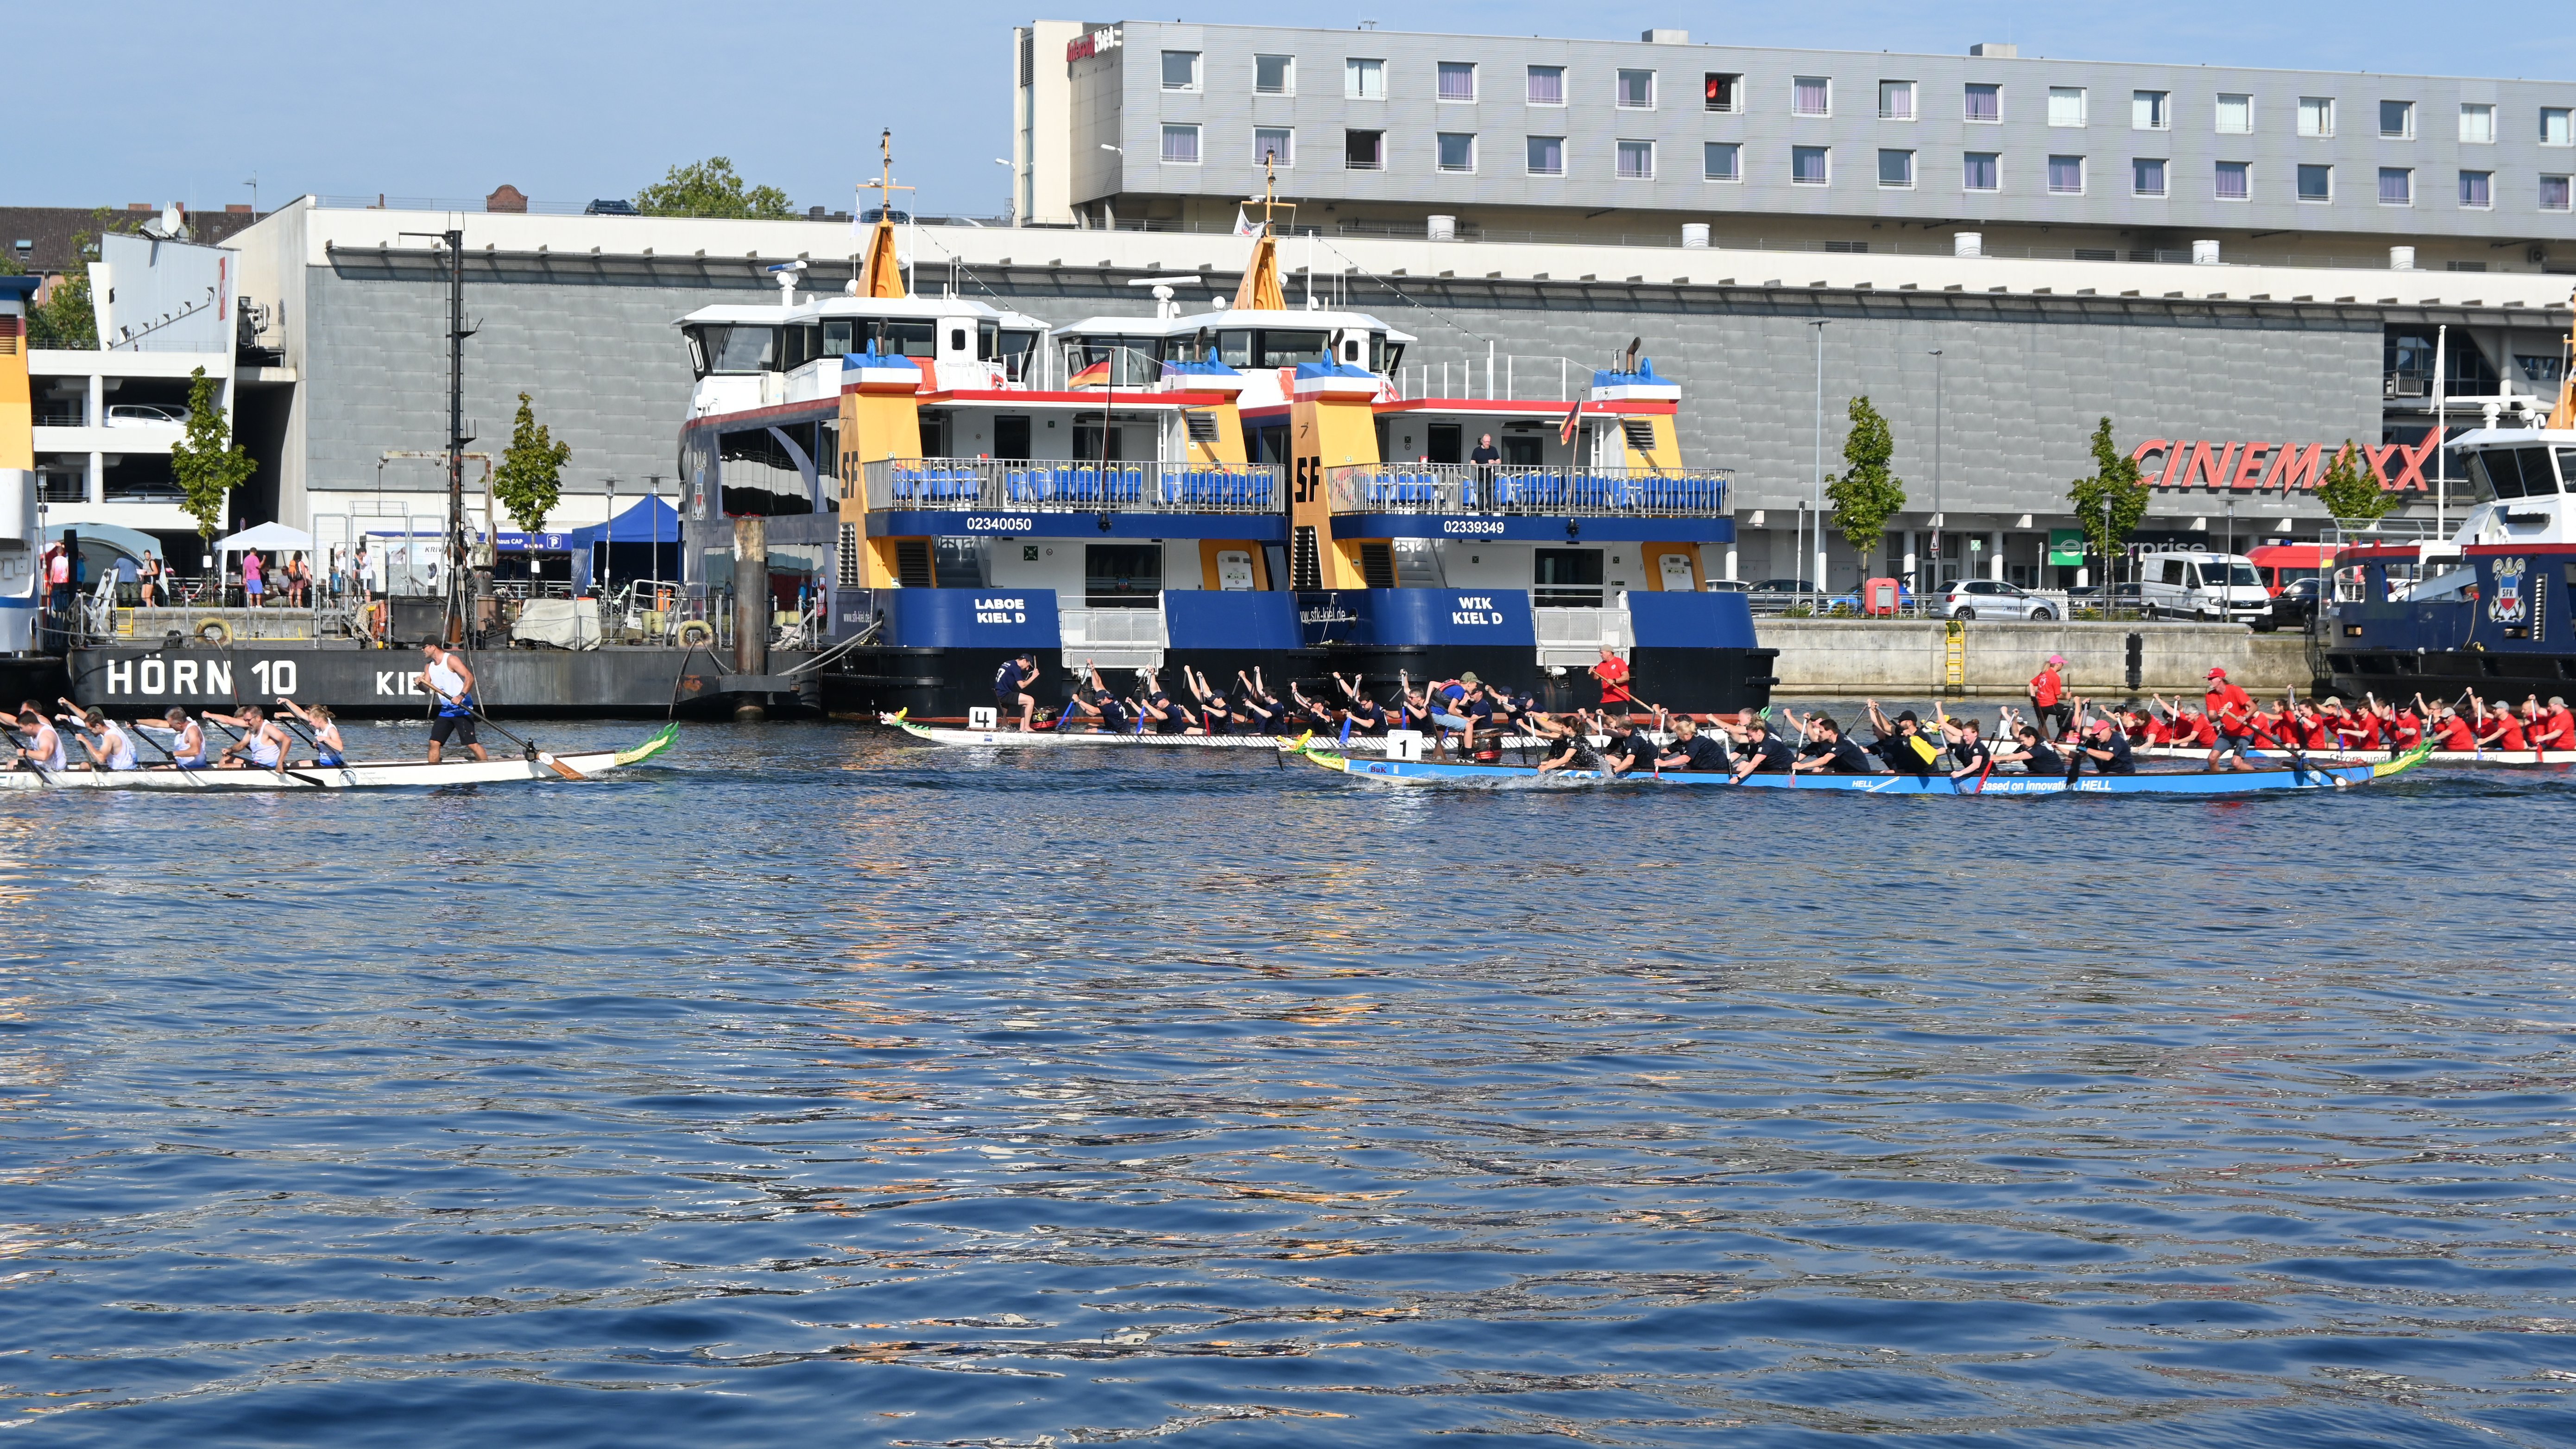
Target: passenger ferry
x=1221 y=490
x=2492 y=609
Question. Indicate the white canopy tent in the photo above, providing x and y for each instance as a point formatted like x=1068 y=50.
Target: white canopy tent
x=267 y=538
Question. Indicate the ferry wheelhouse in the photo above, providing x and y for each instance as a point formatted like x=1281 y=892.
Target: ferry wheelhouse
x=2492 y=608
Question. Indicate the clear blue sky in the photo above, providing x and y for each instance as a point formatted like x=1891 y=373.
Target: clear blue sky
x=147 y=100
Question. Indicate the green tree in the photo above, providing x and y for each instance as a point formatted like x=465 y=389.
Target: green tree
x=710 y=188
x=2116 y=489
x=207 y=462
x=65 y=318
x=1865 y=495
x=2350 y=492
x=529 y=481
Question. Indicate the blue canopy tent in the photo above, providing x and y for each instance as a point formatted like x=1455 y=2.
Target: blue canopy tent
x=642 y=542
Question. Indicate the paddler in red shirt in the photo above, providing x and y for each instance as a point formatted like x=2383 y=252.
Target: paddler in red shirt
x=2231 y=711
x=2556 y=728
x=2497 y=729
x=2358 y=729
x=2450 y=732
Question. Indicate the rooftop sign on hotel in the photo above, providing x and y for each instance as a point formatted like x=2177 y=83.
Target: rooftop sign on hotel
x=1083 y=47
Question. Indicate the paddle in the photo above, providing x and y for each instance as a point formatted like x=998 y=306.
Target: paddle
x=137 y=731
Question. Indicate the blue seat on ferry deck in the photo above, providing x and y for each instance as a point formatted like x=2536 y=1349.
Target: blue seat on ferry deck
x=1127 y=485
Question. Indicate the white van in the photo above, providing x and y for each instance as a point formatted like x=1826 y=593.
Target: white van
x=2198 y=584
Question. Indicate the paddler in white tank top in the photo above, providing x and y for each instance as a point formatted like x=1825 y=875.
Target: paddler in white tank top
x=187 y=741
x=262 y=741
x=44 y=744
x=104 y=741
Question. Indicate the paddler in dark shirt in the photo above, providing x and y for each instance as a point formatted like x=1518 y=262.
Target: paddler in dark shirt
x=1830 y=754
x=1968 y=750
x=1573 y=752
x=1632 y=749
x=1763 y=750
x=2107 y=748
x=1902 y=743
x=1692 y=752
x=2031 y=752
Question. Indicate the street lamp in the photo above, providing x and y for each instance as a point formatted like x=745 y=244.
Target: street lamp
x=1936 y=472
x=1820 y=325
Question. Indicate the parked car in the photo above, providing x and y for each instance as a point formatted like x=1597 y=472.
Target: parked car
x=1992 y=599
x=1774 y=596
x=144 y=415
x=611 y=206
x=2295 y=607
x=2120 y=598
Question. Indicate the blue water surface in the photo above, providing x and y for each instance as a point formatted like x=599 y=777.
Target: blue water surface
x=820 y=1088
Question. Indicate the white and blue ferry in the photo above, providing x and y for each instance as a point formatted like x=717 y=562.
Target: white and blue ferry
x=1225 y=489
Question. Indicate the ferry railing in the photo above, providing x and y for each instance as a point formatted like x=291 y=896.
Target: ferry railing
x=1066 y=486
x=1544 y=490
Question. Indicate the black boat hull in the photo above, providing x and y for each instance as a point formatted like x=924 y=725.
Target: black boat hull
x=623 y=682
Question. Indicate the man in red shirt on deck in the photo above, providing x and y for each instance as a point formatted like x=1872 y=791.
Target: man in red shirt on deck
x=2231 y=711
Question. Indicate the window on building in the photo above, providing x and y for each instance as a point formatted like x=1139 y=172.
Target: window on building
x=1457 y=80
x=2557 y=126
x=2235 y=115
x=2316 y=183
x=1724 y=90
x=1181 y=145
x=1811 y=95
x=1636 y=160
x=1547 y=155
x=1983 y=171
x=1274 y=75
x=1811 y=165
x=2151 y=110
x=2066 y=176
x=1896 y=169
x=2397 y=120
x=1363 y=80
x=2235 y=180
x=1895 y=100
x=1364 y=150
x=2477 y=124
x=1984 y=102
x=2396 y=186
x=2553 y=193
x=1274 y=144
x=1721 y=161
x=2316 y=115
x=1547 y=85
x=1636 y=90
x=1457 y=151
x=1180 y=70
x=2066 y=105
x=2477 y=189
x=2147 y=176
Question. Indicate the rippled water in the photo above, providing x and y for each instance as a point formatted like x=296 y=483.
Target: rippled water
x=820 y=1089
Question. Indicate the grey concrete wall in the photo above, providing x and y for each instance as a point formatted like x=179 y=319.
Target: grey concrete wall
x=1852 y=657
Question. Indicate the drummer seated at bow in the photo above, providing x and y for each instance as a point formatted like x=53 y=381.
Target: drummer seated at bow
x=1828 y=752
x=262 y=743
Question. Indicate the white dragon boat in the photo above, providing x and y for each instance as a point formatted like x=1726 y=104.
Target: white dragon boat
x=356 y=775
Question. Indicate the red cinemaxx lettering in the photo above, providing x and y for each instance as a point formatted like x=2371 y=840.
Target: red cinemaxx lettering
x=2255 y=467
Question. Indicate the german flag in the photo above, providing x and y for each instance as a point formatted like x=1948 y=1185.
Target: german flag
x=1573 y=421
x=1096 y=375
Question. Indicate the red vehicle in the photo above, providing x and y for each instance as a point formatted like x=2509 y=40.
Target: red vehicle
x=2283 y=564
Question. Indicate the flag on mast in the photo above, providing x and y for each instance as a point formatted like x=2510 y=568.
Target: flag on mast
x=1243 y=224
x=1573 y=421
